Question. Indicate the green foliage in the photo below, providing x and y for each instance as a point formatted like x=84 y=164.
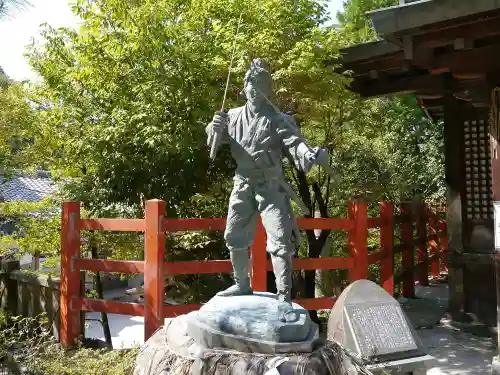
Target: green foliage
x=17 y=119
x=384 y=149
x=88 y=361
x=4 y=79
x=131 y=91
x=28 y=347
x=355 y=22
x=126 y=97
x=37 y=228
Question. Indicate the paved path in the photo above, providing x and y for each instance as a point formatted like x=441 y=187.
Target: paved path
x=456 y=352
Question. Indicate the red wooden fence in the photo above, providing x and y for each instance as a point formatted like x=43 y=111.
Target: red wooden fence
x=155 y=225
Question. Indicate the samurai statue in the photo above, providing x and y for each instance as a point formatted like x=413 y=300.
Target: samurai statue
x=260 y=136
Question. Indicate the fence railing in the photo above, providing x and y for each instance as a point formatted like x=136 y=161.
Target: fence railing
x=155 y=225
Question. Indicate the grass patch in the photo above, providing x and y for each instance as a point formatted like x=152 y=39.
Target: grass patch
x=28 y=347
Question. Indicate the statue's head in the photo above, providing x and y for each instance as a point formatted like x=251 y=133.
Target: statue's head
x=258 y=83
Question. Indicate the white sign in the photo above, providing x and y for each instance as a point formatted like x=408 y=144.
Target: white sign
x=496 y=211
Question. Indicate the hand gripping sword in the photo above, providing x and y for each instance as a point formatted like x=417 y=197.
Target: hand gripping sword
x=216 y=139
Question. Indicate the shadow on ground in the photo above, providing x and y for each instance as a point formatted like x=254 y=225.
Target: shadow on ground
x=457 y=351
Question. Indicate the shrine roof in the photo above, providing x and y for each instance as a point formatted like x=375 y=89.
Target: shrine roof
x=428 y=48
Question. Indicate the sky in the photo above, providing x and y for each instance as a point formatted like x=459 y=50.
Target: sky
x=21 y=26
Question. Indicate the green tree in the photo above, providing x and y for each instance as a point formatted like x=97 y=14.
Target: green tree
x=355 y=21
x=36 y=228
x=126 y=98
x=385 y=148
x=131 y=91
x=17 y=120
x=128 y=95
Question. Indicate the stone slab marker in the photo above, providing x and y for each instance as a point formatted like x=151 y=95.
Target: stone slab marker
x=372 y=326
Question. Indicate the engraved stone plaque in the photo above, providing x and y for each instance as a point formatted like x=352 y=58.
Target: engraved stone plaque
x=381 y=329
x=371 y=324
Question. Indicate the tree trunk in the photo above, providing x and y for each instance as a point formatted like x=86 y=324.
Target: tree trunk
x=100 y=295
x=315 y=244
x=314 y=251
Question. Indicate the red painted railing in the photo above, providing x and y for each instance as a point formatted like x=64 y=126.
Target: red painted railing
x=155 y=226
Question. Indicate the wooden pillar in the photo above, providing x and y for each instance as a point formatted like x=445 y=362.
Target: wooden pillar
x=259 y=259
x=386 y=246
x=477 y=218
x=358 y=236
x=422 y=256
x=454 y=174
x=154 y=253
x=70 y=276
x=408 y=261
x=433 y=245
x=444 y=245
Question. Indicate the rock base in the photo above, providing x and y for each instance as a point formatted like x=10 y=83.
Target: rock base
x=170 y=351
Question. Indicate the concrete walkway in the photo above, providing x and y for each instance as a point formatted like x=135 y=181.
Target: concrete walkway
x=456 y=351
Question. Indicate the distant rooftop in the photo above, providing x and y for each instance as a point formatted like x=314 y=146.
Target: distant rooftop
x=26 y=188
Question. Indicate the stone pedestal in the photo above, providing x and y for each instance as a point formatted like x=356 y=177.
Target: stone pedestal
x=251 y=324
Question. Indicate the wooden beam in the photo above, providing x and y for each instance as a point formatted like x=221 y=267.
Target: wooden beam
x=429 y=96
x=431 y=103
x=476 y=91
x=468 y=75
x=462 y=63
x=421 y=105
x=475 y=61
x=434 y=108
x=473 y=30
x=408 y=47
x=421 y=84
x=393 y=61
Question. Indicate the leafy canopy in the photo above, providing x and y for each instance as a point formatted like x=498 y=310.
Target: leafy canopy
x=132 y=90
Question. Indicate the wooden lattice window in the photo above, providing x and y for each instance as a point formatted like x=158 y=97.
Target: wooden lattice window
x=477 y=170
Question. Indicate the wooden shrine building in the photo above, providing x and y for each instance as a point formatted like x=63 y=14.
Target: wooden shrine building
x=447 y=53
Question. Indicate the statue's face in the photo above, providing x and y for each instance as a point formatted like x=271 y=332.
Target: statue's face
x=255 y=93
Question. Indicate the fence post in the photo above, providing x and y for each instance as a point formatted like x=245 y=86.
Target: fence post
x=83 y=276
x=358 y=237
x=154 y=254
x=11 y=286
x=259 y=259
x=69 y=329
x=443 y=231
x=386 y=246
x=407 y=234
x=422 y=256
x=433 y=245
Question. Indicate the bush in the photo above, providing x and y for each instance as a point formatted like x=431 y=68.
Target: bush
x=84 y=361
x=28 y=347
